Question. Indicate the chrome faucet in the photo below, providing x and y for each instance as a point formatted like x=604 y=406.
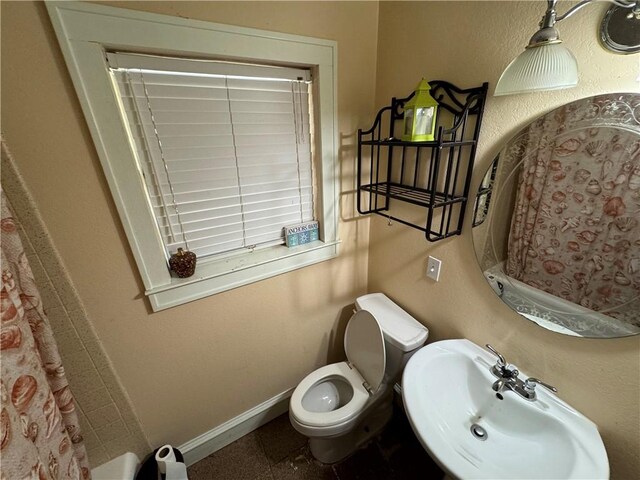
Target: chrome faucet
x=507 y=374
x=529 y=388
x=508 y=378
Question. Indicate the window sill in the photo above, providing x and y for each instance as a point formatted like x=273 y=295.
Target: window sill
x=218 y=275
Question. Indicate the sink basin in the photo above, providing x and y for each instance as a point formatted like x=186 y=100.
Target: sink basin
x=474 y=434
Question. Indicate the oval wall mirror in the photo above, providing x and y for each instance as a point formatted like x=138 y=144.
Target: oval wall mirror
x=620 y=31
x=557 y=219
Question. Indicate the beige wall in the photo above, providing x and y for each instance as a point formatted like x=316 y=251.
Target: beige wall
x=461 y=42
x=190 y=368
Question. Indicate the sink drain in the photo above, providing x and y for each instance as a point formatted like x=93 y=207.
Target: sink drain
x=479 y=432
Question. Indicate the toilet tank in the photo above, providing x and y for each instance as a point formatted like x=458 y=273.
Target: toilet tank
x=403 y=334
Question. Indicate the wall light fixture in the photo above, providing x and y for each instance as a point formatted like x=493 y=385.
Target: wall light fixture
x=546 y=64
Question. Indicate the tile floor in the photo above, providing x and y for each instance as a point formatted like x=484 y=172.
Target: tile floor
x=277 y=452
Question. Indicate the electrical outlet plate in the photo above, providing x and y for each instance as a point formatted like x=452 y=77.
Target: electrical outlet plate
x=433 y=268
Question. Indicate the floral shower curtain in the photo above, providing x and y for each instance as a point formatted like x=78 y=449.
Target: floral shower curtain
x=40 y=436
x=575 y=231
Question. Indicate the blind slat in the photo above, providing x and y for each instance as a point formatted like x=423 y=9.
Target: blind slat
x=120 y=60
x=206 y=215
x=192 y=153
x=248 y=150
x=220 y=128
x=160 y=105
x=214 y=140
x=135 y=80
x=208 y=92
x=232 y=198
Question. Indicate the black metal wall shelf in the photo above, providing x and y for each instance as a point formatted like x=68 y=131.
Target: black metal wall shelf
x=434 y=175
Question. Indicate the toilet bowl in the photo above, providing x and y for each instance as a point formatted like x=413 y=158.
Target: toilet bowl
x=342 y=405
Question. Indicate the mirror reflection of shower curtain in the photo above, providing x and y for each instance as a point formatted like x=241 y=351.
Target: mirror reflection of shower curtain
x=575 y=231
x=40 y=433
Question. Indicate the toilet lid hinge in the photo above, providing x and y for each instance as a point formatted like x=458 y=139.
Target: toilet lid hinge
x=368 y=388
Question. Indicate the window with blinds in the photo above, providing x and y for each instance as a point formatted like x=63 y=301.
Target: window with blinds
x=224 y=149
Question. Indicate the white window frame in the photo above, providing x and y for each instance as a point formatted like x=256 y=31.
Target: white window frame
x=86 y=31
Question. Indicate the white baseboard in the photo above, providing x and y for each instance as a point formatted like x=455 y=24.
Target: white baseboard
x=204 y=445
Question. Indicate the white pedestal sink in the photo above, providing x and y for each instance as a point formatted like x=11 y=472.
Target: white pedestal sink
x=473 y=434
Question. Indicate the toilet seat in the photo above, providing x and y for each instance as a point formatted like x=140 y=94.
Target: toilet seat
x=364 y=346
x=342 y=371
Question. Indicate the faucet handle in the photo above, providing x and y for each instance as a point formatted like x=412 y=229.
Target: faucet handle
x=530 y=385
x=502 y=362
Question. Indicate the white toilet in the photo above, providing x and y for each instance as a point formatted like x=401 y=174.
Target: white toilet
x=342 y=405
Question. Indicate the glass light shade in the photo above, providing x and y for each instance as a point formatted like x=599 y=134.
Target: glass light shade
x=545 y=67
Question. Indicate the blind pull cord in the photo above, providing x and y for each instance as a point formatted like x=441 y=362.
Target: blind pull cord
x=166 y=169
x=156 y=178
x=297 y=108
x=235 y=154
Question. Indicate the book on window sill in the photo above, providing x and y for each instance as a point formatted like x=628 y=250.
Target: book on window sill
x=301 y=233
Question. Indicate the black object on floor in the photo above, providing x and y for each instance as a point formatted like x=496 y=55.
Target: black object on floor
x=149 y=468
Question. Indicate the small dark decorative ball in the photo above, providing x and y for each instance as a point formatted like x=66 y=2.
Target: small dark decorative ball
x=183 y=263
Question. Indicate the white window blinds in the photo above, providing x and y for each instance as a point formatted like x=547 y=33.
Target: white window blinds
x=224 y=148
